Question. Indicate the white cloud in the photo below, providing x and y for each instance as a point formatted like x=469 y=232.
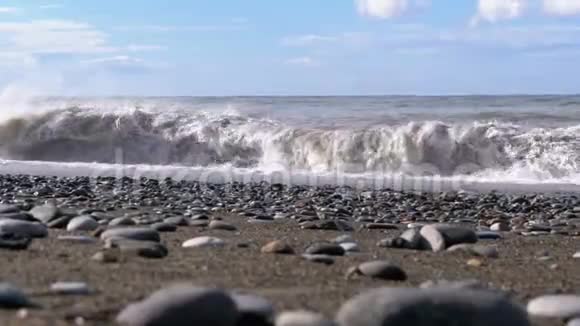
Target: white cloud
x=52 y=37
x=382 y=8
x=144 y=48
x=119 y=59
x=8 y=10
x=17 y=60
x=351 y=38
x=51 y=6
x=309 y=39
x=562 y=7
x=302 y=61
x=496 y=10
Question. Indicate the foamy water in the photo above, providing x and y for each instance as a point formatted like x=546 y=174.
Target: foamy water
x=429 y=143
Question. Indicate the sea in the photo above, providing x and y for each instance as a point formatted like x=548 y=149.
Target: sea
x=421 y=143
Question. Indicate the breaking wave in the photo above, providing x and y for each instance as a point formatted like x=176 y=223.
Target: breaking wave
x=192 y=138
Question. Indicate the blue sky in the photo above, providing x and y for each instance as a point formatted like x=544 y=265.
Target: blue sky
x=310 y=47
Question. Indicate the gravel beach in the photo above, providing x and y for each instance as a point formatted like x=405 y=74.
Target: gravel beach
x=80 y=251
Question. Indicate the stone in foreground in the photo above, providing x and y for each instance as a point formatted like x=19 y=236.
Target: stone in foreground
x=12 y=297
x=253 y=310
x=428 y=307
x=23 y=228
x=556 y=306
x=182 y=306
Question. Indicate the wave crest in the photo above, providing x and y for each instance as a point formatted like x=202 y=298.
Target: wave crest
x=139 y=136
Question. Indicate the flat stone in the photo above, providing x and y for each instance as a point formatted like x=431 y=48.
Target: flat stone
x=199 y=223
x=435 y=306
x=488 y=235
x=381 y=226
x=278 y=247
x=302 y=318
x=70 y=288
x=461 y=284
x=177 y=220
x=7 y=209
x=350 y=247
x=323 y=248
x=145 y=249
x=433 y=238
x=82 y=223
x=253 y=310
x=555 y=306
x=22 y=216
x=182 y=306
x=219 y=225
x=164 y=227
x=343 y=238
x=23 y=228
x=322 y=259
x=204 y=242
x=476 y=250
x=80 y=239
x=132 y=233
x=12 y=297
x=45 y=213
x=383 y=270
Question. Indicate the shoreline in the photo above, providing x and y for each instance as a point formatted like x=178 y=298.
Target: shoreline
x=537 y=238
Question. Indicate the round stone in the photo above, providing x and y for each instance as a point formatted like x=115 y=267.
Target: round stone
x=182 y=306
x=433 y=237
x=556 y=306
x=203 y=242
x=435 y=306
x=82 y=223
x=277 y=247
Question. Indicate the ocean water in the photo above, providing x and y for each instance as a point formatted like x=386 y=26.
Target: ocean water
x=424 y=143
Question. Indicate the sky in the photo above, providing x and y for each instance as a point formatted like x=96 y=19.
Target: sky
x=290 y=47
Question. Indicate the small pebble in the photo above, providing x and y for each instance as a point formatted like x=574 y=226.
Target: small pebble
x=203 y=242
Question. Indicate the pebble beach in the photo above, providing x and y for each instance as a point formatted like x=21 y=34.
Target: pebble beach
x=107 y=251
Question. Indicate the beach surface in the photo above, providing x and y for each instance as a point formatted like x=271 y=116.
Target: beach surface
x=534 y=255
